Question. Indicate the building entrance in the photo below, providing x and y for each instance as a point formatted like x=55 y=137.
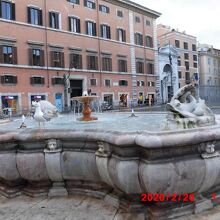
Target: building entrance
x=76 y=87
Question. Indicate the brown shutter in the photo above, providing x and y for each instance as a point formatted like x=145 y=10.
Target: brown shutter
x=126 y=66
x=94 y=27
x=62 y=59
x=2 y=79
x=40 y=18
x=14 y=55
x=71 y=61
x=30 y=52
x=15 y=80
x=57 y=25
x=13 y=11
x=69 y=21
x=88 y=62
x=96 y=63
x=117 y=37
x=42 y=57
x=50 y=18
x=80 y=61
x=53 y=81
x=29 y=15
x=78 y=26
x=42 y=80
x=110 y=59
x=0 y=8
x=52 y=58
x=124 y=35
x=86 y=27
x=1 y=54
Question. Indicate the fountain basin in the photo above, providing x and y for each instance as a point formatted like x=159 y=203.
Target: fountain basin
x=116 y=166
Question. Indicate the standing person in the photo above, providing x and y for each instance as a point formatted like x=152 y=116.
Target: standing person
x=150 y=100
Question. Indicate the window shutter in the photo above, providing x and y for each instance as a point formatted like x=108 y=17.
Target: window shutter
x=88 y=62
x=80 y=61
x=14 y=55
x=110 y=61
x=0 y=8
x=62 y=59
x=124 y=36
x=42 y=80
x=78 y=26
x=1 y=54
x=42 y=57
x=70 y=28
x=87 y=30
x=13 y=11
x=29 y=15
x=52 y=58
x=117 y=37
x=93 y=5
x=94 y=28
x=15 y=79
x=30 y=52
x=96 y=63
x=126 y=68
x=109 y=32
x=107 y=9
x=77 y=1
x=57 y=24
x=2 y=79
x=53 y=81
x=85 y=2
x=50 y=18
x=101 y=30
x=119 y=66
x=40 y=18
x=100 y=7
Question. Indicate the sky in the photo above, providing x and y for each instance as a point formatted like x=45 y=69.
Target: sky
x=199 y=18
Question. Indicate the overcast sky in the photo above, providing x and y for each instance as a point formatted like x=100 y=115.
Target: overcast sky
x=200 y=18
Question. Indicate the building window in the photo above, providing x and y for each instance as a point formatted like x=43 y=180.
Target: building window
x=74 y=1
x=92 y=62
x=107 y=82
x=54 y=20
x=187 y=65
x=35 y=16
x=122 y=65
x=137 y=19
x=105 y=31
x=123 y=83
x=180 y=74
x=57 y=59
x=8 y=79
x=91 y=28
x=147 y=23
x=89 y=4
x=8 y=54
x=179 y=62
x=37 y=80
x=120 y=13
x=194 y=57
x=104 y=9
x=57 y=81
x=193 y=47
x=139 y=66
x=140 y=83
x=93 y=82
x=187 y=77
x=149 y=41
x=138 y=39
x=74 y=25
x=177 y=43
x=36 y=57
x=7 y=10
x=121 y=35
x=76 y=60
x=185 y=45
x=151 y=84
x=186 y=56
x=195 y=65
x=150 y=68
x=106 y=64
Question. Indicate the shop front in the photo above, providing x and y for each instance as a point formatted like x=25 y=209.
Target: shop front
x=9 y=104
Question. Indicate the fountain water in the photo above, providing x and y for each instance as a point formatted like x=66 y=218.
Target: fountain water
x=176 y=171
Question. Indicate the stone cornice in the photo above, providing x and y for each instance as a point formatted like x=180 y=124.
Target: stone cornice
x=135 y=7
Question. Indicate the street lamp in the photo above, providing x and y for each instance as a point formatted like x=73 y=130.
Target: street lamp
x=66 y=86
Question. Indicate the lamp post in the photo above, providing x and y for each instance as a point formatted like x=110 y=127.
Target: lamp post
x=171 y=75
x=66 y=86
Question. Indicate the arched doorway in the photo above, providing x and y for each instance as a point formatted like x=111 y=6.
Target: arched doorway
x=167 y=70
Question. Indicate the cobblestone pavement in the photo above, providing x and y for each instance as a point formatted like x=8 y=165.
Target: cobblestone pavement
x=74 y=208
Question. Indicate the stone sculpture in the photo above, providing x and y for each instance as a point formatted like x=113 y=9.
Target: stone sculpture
x=189 y=111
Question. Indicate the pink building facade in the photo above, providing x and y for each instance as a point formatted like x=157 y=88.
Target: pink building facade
x=106 y=47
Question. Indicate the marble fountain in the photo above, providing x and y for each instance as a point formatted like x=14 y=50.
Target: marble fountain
x=119 y=159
